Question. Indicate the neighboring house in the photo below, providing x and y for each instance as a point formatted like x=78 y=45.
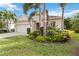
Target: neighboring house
x=24 y=25
x=10 y=25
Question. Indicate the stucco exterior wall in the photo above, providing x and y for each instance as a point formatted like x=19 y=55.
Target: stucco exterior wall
x=57 y=23
x=22 y=24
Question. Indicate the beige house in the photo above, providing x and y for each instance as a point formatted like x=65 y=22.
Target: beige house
x=24 y=25
x=55 y=21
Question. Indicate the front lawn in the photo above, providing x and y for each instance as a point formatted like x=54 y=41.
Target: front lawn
x=21 y=46
x=75 y=36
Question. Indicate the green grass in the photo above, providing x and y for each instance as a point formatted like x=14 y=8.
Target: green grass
x=75 y=36
x=21 y=46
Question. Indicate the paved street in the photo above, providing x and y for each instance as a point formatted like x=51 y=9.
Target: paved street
x=4 y=35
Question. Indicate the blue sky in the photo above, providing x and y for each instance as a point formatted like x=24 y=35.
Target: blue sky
x=53 y=8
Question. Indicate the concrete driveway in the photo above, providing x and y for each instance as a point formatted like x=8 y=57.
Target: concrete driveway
x=4 y=35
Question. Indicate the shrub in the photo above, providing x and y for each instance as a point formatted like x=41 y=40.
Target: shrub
x=75 y=26
x=52 y=35
x=67 y=34
x=30 y=36
x=77 y=31
x=41 y=38
x=34 y=34
x=59 y=37
x=56 y=35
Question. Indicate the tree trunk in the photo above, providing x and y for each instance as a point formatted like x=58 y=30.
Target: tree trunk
x=62 y=18
x=39 y=16
x=45 y=19
x=30 y=24
x=7 y=25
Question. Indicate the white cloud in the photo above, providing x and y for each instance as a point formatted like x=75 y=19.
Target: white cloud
x=72 y=13
x=9 y=6
x=55 y=12
x=3 y=4
x=66 y=14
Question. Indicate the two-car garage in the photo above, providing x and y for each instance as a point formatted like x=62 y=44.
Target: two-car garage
x=22 y=25
x=22 y=28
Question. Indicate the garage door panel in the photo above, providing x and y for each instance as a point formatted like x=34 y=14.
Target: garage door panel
x=22 y=29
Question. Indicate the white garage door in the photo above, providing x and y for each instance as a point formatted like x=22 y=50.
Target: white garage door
x=22 y=29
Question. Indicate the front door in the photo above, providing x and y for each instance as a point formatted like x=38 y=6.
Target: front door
x=37 y=25
x=28 y=30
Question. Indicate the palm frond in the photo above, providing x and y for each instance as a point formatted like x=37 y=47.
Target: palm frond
x=31 y=15
x=62 y=5
x=27 y=7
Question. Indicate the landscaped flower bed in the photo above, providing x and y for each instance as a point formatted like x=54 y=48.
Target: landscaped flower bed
x=52 y=35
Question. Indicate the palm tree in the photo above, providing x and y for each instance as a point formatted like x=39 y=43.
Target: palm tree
x=62 y=7
x=8 y=16
x=27 y=7
x=1 y=19
x=35 y=6
x=12 y=16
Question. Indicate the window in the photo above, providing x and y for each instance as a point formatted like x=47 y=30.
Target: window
x=53 y=24
x=28 y=30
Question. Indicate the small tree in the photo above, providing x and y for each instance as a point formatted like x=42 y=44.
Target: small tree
x=75 y=23
x=76 y=26
x=67 y=23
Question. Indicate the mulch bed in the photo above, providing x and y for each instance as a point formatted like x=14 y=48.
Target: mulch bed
x=75 y=52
